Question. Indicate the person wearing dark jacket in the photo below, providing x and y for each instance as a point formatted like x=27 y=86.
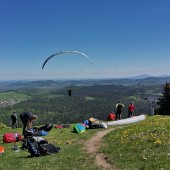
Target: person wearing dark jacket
x=27 y=118
x=14 y=121
x=119 y=107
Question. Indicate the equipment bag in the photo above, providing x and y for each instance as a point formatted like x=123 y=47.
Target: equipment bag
x=12 y=137
x=41 y=148
x=58 y=126
x=94 y=123
x=31 y=133
x=43 y=133
x=32 y=139
x=79 y=128
x=48 y=127
x=33 y=147
x=51 y=149
x=86 y=122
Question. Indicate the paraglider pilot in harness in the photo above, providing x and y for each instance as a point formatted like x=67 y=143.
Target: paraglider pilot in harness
x=69 y=92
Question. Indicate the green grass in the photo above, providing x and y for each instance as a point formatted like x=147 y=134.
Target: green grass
x=145 y=145
x=71 y=156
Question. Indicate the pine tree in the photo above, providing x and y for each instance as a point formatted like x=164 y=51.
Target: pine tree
x=164 y=101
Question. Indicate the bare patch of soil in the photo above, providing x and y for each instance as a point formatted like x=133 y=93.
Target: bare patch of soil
x=92 y=147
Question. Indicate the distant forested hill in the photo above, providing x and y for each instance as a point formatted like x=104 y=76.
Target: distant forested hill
x=52 y=105
x=56 y=84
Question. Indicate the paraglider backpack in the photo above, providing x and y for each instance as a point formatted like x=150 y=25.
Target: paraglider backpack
x=94 y=123
x=33 y=147
x=119 y=107
x=79 y=128
x=12 y=137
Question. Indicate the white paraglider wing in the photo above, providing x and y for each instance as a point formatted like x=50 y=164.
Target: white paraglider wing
x=127 y=120
x=64 y=52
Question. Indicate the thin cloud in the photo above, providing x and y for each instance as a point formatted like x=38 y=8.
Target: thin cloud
x=112 y=73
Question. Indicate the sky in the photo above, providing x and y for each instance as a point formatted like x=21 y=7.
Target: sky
x=123 y=38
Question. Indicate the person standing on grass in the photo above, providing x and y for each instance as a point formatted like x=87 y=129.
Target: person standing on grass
x=14 y=121
x=27 y=118
x=119 y=107
x=131 y=108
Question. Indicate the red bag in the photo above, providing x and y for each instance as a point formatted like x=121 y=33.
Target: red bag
x=12 y=137
x=58 y=126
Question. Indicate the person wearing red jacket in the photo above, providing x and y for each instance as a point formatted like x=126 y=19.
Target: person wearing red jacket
x=131 y=108
x=111 y=117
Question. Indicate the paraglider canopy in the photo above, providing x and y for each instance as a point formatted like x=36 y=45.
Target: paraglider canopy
x=65 y=52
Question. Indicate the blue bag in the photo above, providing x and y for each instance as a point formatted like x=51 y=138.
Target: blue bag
x=86 y=122
x=43 y=133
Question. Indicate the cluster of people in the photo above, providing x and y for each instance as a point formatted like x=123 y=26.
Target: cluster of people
x=119 y=108
x=26 y=117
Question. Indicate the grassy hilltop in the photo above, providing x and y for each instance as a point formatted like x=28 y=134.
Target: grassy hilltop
x=144 y=145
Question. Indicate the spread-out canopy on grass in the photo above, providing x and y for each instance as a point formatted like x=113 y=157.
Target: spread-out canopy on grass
x=133 y=119
x=65 y=52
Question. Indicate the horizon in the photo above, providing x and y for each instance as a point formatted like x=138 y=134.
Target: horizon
x=142 y=76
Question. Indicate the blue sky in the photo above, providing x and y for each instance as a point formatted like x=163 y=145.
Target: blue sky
x=123 y=38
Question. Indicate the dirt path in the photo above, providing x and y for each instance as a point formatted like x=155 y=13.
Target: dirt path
x=92 y=146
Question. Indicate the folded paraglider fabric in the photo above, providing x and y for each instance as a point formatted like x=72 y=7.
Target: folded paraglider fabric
x=127 y=121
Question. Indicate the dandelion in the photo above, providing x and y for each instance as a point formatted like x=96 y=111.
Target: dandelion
x=158 y=142
x=144 y=158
